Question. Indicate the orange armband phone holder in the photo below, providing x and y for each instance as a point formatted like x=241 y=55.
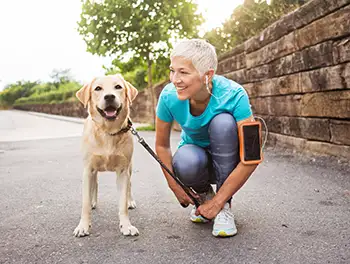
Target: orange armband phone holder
x=250 y=142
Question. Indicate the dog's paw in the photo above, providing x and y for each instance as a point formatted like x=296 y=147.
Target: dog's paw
x=93 y=205
x=82 y=230
x=129 y=230
x=131 y=204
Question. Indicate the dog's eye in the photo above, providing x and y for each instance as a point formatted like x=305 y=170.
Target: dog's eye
x=118 y=87
x=98 y=88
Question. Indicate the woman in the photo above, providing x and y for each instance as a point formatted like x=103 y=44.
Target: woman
x=209 y=108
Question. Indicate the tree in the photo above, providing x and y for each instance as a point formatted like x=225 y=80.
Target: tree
x=61 y=77
x=135 y=28
x=249 y=19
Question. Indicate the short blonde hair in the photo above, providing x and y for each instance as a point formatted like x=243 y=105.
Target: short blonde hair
x=200 y=52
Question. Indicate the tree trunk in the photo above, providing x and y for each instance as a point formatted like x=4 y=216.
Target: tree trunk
x=151 y=90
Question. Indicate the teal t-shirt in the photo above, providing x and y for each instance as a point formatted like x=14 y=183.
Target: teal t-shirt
x=228 y=97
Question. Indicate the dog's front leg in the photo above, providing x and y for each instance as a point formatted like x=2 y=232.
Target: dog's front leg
x=85 y=221
x=131 y=201
x=123 y=185
x=94 y=190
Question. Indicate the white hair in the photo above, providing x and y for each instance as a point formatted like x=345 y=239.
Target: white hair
x=200 y=52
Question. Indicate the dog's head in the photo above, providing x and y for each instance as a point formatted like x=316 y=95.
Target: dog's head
x=107 y=95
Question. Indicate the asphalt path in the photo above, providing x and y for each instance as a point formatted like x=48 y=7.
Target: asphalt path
x=293 y=209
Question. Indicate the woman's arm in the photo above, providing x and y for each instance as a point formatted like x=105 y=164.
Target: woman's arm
x=163 y=151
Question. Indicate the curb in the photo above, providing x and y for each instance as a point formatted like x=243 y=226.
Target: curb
x=76 y=120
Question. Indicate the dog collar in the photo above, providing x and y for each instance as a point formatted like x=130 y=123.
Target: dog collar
x=125 y=129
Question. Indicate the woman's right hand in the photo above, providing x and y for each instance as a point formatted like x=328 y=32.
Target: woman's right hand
x=181 y=195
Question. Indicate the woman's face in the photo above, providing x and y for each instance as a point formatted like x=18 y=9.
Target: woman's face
x=185 y=77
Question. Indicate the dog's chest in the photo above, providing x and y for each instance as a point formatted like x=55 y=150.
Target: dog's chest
x=109 y=162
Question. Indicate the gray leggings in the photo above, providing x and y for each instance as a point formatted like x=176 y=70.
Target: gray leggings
x=199 y=167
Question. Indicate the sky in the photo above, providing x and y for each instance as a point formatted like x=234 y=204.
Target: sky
x=37 y=36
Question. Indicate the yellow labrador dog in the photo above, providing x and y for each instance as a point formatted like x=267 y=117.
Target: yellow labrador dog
x=107 y=146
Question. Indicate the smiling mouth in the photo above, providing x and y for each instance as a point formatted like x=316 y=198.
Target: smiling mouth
x=181 y=89
x=110 y=112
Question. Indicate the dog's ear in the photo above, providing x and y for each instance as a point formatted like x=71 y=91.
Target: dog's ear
x=131 y=91
x=84 y=93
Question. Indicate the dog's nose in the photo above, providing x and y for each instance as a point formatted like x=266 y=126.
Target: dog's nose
x=109 y=97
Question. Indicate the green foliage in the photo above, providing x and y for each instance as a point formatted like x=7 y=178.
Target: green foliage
x=137 y=28
x=137 y=33
x=25 y=92
x=43 y=88
x=146 y=128
x=17 y=90
x=65 y=92
x=248 y=20
x=135 y=70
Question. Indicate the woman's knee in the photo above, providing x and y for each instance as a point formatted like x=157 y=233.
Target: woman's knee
x=223 y=125
x=190 y=163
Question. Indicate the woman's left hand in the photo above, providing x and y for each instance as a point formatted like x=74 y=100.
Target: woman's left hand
x=209 y=209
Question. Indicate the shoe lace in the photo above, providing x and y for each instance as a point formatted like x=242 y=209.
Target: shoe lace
x=225 y=216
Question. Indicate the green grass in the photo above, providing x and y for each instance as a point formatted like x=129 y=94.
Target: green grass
x=146 y=128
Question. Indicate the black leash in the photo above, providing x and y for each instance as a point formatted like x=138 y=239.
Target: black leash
x=187 y=190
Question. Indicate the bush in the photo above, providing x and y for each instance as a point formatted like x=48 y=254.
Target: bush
x=41 y=96
x=15 y=91
x=43 y=88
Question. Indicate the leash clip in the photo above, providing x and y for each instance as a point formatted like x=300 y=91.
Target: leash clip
x=135 y=133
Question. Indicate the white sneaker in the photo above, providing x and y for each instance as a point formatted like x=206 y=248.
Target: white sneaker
x=224 y=223
x=205 y=197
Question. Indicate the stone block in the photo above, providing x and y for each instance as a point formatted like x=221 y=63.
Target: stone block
x=235 y=63
x=315 y=9
x=346 y=75
x=288 y=105
x=328 y=149
x=239 y=62
x=235 y=51
x=258 y=73
x=289 y=64
x=225 y=66
x=332 y=26
x=309 y=128
x=289 y=84
x=278 y=29
x=306 y=146
x=334 y=104
x=252 y=44
x=286 y=141
x=256 y=58
x=272 y=51
x=274 y=123
x=252 y=89
x=320 y=55
x=324 y=79
x=340 y=132
x=237 y=76
x=341 y=50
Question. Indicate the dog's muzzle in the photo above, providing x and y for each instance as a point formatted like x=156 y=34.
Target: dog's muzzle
x=110 y=112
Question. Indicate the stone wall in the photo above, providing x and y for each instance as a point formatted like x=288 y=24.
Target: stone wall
x=74 y=109
x=297 y=74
